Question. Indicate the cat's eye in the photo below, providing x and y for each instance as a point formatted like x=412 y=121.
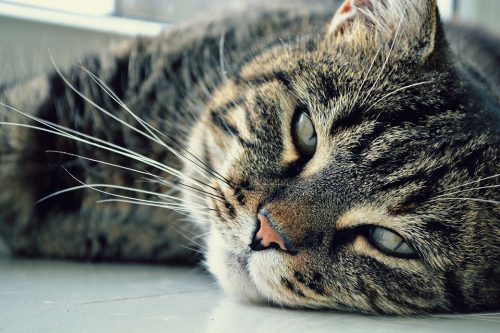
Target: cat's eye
x=304 y=134
x=390 y=243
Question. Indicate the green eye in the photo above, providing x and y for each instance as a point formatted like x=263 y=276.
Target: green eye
x=390 y=243
x=304 y=135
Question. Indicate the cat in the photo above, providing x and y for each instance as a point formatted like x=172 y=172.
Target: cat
x=345 y=163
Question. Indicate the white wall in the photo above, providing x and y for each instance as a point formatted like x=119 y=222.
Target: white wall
x=25 y=45
x=485 y=13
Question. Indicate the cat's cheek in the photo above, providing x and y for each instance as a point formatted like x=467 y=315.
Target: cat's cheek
x=230 y=273
x=267 y=268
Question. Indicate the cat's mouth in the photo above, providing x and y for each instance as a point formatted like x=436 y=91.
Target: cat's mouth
x=252 y=261
x=254 y=276
x=251 y=275
x=231 y=268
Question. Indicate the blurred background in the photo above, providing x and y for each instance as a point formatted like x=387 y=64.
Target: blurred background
x=30 y=30
x=71 y=28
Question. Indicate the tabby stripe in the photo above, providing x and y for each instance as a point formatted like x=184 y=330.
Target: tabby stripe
x=375 y=298
x=290 y=286
x=398 y=301
x=280 y=76
x=223 y=125
x=240 y=197
x=371 y=296
x=415 y=199
x=432 y=178
x=230 y=130
x=329 y=91
x=409 y=115
x=367 y=139
x=225 y=108
x=229 y=208
x=119 y=81
x=206 y=155
x=454 y=292
x=250 y=122
x=313 y=283
x=435 y=227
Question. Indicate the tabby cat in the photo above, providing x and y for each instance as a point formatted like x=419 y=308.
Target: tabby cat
x=348 y=163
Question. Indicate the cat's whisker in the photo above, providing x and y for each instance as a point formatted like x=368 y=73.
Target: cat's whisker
x=391 y=49
x=151 y=137
x=202 y=235
x=202 y=210
x=172 y=206
x=97 y=106
x=104 y=145
x=398 y=90
x=99 y=143
x=201 y=247
x=117 y=187
x=69 y=133
x=193 y=249
x=467 y=190
x=62 y=133
x=473 y=182
x=99 y=161
x=191 y=239
x=157 y=179
x=176 y=185
x=468 y=199
x=205 y=168
x=183 y=211
x=358 y=94
x=196 y=220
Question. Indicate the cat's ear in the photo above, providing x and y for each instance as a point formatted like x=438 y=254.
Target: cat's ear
x=415 y=23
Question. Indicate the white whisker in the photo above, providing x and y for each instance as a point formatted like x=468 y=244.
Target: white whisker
x=467 y=190
x=201 y=235
x=177 y=186
x=398 y=90
x=202 y=210
x=96 y=142
x=157 y=179
x=396 y=36
x=150 y=129
x=191 y=239
x=117 y=187
x=193 y=249
x=356 y=98
x=473 y=182
x=100 y=162
x=184 y=211
x=469 y=199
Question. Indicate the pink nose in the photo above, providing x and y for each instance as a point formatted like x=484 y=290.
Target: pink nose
x=266 y=236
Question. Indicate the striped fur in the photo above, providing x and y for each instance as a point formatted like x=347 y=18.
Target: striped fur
x=407 y=118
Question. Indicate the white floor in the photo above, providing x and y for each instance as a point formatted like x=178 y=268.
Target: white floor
x=45 y=296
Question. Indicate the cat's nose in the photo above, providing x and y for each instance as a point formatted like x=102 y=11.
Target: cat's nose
x=266 y=236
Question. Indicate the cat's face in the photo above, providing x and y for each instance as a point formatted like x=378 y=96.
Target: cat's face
x=332 y=159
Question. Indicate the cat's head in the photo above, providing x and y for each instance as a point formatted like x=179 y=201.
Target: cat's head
x=345 y=171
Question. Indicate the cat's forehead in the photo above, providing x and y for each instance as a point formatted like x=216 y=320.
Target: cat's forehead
x=333 y=83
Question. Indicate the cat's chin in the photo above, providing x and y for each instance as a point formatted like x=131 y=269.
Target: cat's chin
x=231 y=271
x=251 y=277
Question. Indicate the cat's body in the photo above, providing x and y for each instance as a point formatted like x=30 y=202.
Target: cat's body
x=223 y=95
x=166 y=80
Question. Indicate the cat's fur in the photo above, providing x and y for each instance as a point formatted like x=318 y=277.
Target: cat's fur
x=406 y=120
